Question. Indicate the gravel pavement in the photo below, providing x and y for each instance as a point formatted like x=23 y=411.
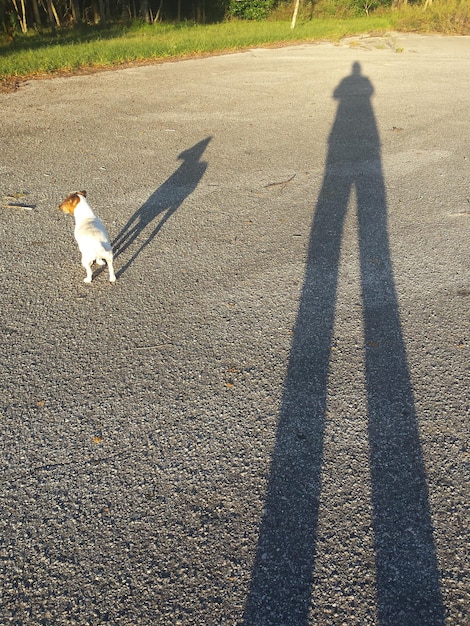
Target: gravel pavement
x=265 y=421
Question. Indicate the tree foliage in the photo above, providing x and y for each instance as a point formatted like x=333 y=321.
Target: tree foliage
x=25 y=15
x=38 y=14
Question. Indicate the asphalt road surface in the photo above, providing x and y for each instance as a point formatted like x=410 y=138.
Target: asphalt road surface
x=265 y=421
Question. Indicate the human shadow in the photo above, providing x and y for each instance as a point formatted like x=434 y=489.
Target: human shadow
x=145 y=224
x=407 y=577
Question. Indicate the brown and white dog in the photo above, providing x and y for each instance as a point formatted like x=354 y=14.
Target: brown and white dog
x=90 y=233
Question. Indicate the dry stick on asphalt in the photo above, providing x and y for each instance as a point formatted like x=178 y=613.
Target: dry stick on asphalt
x=17 y=206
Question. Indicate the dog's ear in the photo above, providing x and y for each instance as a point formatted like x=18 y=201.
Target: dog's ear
x=83 y=193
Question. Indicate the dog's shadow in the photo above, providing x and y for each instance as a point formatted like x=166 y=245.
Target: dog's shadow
x=145 y=224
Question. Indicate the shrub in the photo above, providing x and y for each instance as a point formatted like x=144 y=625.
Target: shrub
x=250 y=9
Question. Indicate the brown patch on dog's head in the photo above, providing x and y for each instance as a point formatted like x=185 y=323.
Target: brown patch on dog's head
x=70 y=202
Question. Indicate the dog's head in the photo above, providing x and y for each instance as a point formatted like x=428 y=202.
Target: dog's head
x=70 y=202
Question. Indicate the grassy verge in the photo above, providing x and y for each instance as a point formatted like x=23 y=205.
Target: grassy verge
x=95 y=47
x=451 y=17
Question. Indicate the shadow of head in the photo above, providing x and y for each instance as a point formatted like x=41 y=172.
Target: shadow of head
x=143 y=226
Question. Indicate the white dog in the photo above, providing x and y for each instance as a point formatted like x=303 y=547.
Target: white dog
x=90 y=234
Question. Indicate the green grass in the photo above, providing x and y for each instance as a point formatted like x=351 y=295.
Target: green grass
x=94 y=47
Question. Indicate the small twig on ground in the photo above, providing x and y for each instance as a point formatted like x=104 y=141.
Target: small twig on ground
x=282 y=183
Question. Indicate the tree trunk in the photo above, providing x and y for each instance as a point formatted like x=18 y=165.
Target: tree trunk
x=74 y=5
x=296 y=10
x=37 y=15
x=21 y=16
x=102 y=7
x=56 y=17
x=145 y=11
x=312 y=7
x=200 y=13
x=52 y=17
x=159 y=12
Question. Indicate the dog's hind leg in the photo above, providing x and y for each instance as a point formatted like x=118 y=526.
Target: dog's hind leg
x=112 y=277
x=109 y=261
x=87 y=265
